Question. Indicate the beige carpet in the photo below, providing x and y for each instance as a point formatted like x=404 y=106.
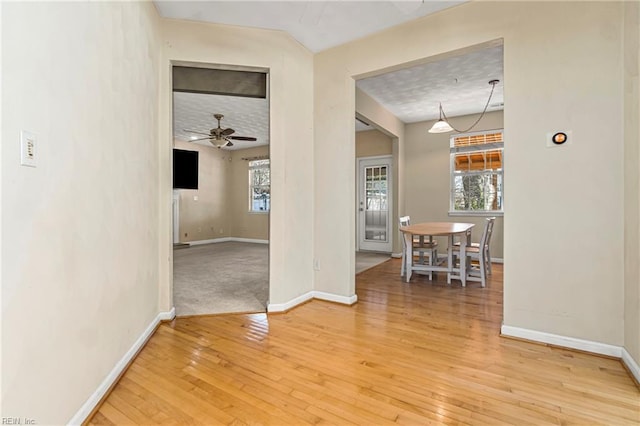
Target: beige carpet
x=230 y=277
x=221 y=278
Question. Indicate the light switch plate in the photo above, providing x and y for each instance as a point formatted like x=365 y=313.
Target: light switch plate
x=28 y=146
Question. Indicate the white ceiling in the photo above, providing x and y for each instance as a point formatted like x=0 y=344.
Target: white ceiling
x=247 y=116
x=461 y=83
x=318 y=25
x=412 y=94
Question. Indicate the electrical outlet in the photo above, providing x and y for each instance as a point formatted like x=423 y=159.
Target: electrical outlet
x=221 y=231
x=316 y=264
x=28 y=144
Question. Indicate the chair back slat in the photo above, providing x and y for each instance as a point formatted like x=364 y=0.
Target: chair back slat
x=486 y=233
x=404 y=221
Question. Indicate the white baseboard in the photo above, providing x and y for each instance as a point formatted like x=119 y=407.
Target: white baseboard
x=167 y=316
x=227 y=239
x=564 y=341
x=212 y=241
x=114 y=374
x=497 y=260
x=335 y=298
x=283 y=307
x=396 y=255
x=573 y=343
x=631 y=364
x=249 y=240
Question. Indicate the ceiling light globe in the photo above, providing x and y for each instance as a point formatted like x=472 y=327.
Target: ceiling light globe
x=441 y=126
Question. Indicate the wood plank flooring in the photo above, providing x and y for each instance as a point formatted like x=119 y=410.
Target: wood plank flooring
x=418 y=353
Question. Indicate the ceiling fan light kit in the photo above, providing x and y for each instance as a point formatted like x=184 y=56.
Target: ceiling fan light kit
x=443 y=126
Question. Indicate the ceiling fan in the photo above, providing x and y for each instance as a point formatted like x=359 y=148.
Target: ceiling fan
x=220 y=137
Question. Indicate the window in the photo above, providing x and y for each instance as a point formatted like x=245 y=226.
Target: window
x=477 y=172
x=259 y=186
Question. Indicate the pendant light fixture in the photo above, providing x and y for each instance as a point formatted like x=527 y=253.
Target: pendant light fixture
x=443 y=126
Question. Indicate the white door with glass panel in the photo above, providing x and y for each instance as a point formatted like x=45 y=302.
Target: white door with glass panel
x=374 y=204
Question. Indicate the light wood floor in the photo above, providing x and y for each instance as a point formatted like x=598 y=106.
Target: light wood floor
x=418 y=353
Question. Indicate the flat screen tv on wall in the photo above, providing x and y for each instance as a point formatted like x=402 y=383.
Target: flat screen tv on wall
x=185 y=169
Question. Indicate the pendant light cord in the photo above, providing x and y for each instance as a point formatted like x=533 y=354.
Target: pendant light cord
x=493 y=86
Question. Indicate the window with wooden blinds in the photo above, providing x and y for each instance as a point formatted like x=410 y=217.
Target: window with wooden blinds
x=477 y=139
x=477 y=165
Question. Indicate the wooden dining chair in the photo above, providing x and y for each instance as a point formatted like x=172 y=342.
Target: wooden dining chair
x=480 y=252
x=488 y=224
x=420 y=248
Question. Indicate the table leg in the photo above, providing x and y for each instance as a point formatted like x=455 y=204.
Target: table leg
x=433 y=253
x=408 y=257
x=464 y=241
x=450 y=258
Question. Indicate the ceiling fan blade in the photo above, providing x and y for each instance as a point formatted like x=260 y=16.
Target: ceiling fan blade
x=193 y=131
x=243 y=138
x=227 y=132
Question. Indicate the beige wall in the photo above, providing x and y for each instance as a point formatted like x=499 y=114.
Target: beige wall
x=632 y=182
x=221 y=207
x=79 y=232
x=245 y=224
x=427 y=176
x=97 y=223
x=370 y=143
x=291 y=142
x=204 y=212
x=548 y=210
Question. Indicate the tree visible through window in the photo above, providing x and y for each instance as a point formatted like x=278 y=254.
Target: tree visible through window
x=477 y=172
x=259 y=186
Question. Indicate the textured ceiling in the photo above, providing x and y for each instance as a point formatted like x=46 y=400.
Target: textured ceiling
x=247 y=116
x=318 y=25
x=412 y=94
x=461 y=83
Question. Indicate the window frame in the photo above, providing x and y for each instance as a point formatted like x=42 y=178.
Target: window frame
x=453 y=173
x=265 y=163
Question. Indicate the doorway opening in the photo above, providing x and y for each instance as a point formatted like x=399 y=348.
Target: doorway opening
x=375 y=195
x=435 y=184
x=220 y=213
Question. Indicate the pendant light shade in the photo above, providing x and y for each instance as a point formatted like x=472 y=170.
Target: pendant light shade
x=442 y=126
